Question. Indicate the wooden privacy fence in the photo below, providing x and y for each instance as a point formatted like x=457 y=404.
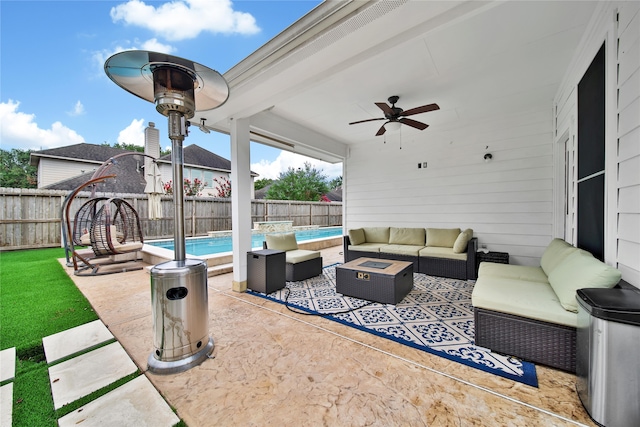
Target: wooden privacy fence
x=31 y=218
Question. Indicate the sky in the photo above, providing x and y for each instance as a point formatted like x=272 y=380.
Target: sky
x=54 y=91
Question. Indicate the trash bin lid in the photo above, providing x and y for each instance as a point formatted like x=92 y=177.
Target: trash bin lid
x=619 y=305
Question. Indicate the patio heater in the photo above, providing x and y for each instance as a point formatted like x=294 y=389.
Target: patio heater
x=179 y=287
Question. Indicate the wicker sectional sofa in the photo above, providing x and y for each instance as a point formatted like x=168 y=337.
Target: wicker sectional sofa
x=445 y=252
x=531 y=312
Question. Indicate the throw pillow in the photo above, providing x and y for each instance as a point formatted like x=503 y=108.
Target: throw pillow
x=460 y=245
x=577 y=271
x=356 y=236
x=282 y=241
x=442 y=237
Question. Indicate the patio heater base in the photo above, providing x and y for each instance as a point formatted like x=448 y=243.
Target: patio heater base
x=176 y=366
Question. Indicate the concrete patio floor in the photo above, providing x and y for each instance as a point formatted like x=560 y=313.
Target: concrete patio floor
x=274 y=367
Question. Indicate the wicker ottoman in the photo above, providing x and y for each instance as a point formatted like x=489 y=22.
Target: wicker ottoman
x=375 y=279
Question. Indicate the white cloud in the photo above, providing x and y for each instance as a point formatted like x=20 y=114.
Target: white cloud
x=20 y=130
x=155 y=46
x=133 y=134
x=287 y=159
x=181 y=20
x=78 y=109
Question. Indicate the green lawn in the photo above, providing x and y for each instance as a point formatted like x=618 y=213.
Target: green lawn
x=38 y=299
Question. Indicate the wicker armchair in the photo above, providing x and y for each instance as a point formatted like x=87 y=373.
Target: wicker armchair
x=301 y=264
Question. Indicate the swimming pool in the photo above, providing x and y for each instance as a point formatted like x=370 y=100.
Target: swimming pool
x=199 y=246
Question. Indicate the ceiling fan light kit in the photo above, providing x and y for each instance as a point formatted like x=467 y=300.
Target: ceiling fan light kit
x=396 y=116
x=392 y=126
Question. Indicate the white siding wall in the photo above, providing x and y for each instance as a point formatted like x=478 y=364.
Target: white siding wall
x=628 y=134
x=51 y=171
x=622 y=39
x=508 y=202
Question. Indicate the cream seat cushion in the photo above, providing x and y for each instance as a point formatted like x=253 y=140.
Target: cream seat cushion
x=410 y=250
x=510 y=271
x=126 y=247
x=532 y=300
x=438 y=252
x=299 y=255
x=367 y=247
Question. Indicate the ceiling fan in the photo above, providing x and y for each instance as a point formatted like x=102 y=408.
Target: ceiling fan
x=395 y=114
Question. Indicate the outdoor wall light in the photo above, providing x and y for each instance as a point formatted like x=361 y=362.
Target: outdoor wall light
x=488 y=157
x=202 y=127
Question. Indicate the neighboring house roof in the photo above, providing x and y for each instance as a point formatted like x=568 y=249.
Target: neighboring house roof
x=261 y=193
x=194 y=155
x=335 y=195
x=129 y=170
x=88 y=152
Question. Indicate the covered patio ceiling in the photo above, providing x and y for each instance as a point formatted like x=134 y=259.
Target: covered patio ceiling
x=476 y=60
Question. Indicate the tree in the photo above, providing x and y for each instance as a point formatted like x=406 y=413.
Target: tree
x=16 y=170
x=335 y=182
x=261 y=183
x=305 y=184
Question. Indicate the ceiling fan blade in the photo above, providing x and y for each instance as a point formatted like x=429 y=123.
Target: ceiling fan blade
x=413 y=123
x=382 y=130
x=418 y=110
x=368 y=120
x=385 y=108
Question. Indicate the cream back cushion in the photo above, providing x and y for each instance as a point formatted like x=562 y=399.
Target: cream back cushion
x=356 y=236
x=281 y=242
x=442 y=237
x=580 y=270
x=407 y=236
x=376 y=234
x=557 y=251
x=460 y=245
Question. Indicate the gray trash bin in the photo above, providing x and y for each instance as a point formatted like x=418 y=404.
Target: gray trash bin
x=608 y=355
x=179 y=300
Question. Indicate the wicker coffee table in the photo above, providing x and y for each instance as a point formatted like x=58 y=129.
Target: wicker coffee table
x=381 y=280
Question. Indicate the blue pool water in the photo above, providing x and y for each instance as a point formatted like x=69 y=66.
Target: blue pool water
x=199 y=246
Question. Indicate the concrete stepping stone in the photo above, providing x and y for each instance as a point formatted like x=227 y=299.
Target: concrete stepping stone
x=82 y=375
x=7 y=364
x=136 y=403
x=74 y=340
x=6 y=404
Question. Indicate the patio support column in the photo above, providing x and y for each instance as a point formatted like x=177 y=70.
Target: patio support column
x=240 y=201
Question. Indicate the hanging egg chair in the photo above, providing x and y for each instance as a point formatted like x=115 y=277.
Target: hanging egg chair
x=84 y=220
x=115 y=229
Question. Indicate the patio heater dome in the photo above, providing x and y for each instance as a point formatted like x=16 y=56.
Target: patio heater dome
x=171 y=82
x=179 y=297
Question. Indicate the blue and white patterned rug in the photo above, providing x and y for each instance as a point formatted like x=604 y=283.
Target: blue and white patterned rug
x=436 y=317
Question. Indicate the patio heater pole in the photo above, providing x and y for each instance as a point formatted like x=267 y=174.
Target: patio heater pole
x=176 y=135
x=179 y=295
